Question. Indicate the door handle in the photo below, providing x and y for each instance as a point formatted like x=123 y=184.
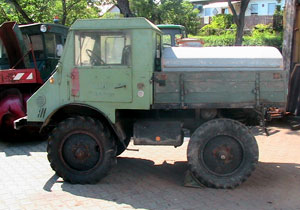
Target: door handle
x=121 y=86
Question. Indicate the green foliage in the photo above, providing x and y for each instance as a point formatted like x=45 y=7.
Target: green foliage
x=110 y=15
x=278 y=19
x=45 y=10
x=220 y=24
x=262 y=30
x=261 y=35
x=219 y=40
x=179 y=12
x=267 y=40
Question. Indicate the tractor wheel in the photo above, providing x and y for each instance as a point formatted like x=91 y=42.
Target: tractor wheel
x=222 y=153
x=80 y=150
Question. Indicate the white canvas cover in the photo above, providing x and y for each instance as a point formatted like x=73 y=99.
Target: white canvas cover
x=221 y=58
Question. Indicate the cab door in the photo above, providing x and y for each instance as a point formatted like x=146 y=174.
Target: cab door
x=103 y=66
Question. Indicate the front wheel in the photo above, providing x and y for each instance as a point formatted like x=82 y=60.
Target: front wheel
x=80 y=150
x=222 y=153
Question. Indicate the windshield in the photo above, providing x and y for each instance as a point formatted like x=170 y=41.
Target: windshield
x=101 y=48
x=171 y=35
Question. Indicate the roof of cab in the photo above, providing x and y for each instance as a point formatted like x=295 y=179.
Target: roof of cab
x=115 y=24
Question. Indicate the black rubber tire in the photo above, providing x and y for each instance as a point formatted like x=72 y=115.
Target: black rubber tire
x=241 y=155
x=80 y=129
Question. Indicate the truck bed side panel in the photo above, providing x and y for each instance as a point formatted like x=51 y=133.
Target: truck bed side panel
x=221 y=89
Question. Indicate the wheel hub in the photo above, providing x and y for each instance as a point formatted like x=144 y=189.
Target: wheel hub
x=81 y=152
x=222 y=155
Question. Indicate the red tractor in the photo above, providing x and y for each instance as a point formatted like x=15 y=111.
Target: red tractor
x=28 y=55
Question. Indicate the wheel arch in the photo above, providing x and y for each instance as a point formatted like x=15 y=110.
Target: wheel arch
x=76 y=109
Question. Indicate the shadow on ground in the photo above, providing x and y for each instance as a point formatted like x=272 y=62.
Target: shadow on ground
x=140 y=183
x=22 y=145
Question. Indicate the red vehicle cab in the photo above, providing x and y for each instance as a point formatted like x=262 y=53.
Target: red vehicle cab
x=28 y=55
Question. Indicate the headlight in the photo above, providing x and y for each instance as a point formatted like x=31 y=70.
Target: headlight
x=43 y=28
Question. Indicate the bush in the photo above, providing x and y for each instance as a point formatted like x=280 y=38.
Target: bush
x=261 y=35
x=274 y=40
x=220 y=24
x=221 y=40
x=266 y=40
x=262 y=30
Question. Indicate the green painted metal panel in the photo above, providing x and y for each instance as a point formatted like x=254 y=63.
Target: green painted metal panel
x=223 y=88
x=106 y=84
x=97 y=84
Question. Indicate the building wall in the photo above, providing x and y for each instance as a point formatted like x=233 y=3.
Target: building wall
x=263 y=7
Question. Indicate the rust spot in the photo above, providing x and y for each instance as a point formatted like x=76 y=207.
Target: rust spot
x=140 y=86
x=277 y=76
x=75 y=82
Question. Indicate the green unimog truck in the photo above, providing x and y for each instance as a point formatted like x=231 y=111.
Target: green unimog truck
x=115 y=82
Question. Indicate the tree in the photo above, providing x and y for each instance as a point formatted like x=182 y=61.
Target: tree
x=123 y=5
x=28 y=11
x=167 y=11
x=239 y=20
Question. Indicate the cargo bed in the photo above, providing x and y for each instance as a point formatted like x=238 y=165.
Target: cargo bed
x=216 y=82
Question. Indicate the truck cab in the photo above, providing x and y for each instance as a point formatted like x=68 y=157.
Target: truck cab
x=115 y=82
x=172 y=33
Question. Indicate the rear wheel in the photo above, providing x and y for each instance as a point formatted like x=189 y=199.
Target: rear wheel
x=80 y=150
x=222 y=153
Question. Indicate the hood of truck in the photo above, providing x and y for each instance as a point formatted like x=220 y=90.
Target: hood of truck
x=221 y=58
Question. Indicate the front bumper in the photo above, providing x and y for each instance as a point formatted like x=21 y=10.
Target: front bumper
x=20 y=123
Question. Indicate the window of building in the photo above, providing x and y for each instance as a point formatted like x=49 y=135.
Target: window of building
x=254 y=9
x=225 y=11
x=271 y=8
x=207 y=11
x=96 y=49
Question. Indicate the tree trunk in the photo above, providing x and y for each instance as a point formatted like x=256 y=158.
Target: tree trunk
x=239 y=20
x=123 y=5
x=240 y=31
x=64 y=17
x=21 y=11
x=290 y=17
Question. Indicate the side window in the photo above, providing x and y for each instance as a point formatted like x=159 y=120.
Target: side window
x=96 y=49
x=167 y=39
x=158 y=53
x=59 y=46
x=50 y=44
